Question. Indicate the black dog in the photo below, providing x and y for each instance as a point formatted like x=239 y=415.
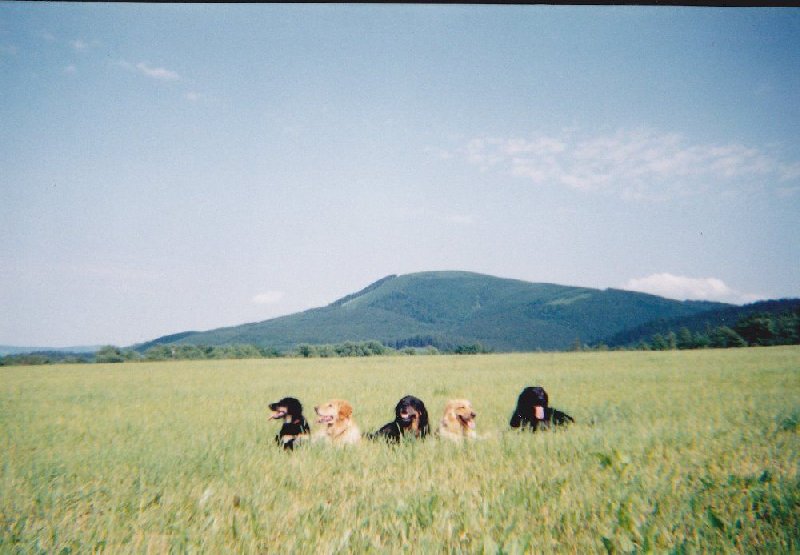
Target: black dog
x=411 y=417
x=294 y=426
x=533 y=413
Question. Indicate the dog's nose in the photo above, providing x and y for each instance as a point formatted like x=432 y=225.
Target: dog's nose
x=473 y=415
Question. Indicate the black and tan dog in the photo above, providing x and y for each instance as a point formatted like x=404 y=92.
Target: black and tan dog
x=533 y=413
x=295 y=428
x=410 y=420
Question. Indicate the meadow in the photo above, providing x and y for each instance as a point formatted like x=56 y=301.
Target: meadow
x=679 y=451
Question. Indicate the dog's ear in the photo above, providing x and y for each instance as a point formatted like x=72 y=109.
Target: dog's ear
x=345 y=410
x=424 y=425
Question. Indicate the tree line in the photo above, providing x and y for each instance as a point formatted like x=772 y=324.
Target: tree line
x=756 y=330
x=112 y=354
x=761 y=329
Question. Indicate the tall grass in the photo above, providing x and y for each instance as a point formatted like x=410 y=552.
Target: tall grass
x=672 y=452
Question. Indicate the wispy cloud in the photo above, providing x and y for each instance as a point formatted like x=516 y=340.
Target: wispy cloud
x=269 y=297
x=635 y=164
x=196 y=97
x=144 y=68
x=160 y=73
x=683 y=288
x=70 y=69
x=79 y=45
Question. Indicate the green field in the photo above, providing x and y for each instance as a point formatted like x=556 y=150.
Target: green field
x=672 y=452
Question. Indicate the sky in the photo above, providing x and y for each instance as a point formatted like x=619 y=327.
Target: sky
x=166 y=168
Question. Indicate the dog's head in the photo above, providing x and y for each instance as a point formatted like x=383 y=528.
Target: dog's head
x=334 y=411
x=532 y=403
x=459 y=413
x=288 y=408
x=411 y=413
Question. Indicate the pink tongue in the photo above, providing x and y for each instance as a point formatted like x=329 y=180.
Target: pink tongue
x=471 y=424
x=539 y=413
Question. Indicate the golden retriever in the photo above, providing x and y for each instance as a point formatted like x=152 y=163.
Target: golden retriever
x=339 y=428
x=458 y=421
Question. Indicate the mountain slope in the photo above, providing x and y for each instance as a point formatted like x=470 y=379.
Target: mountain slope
x=451 y=308
x=702 y=322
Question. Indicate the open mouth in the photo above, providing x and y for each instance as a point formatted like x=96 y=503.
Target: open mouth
x=325 y=419
x=278 y=413
x=407 y=417
x=468 y=423
x=539 y=412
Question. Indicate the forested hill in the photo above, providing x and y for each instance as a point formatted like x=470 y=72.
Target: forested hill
x=446 y=309
x=735 y=317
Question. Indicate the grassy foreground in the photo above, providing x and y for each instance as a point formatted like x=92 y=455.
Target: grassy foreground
x=672 y=452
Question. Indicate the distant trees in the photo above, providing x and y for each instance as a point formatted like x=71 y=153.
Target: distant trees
x=112 y=354
x=421 y=342
x=761 y=329
x=756 y=330
x=471 y=349
x=208 y=352
x=724 y=337
x=27 y=359
x=685 y=340
x=346 y=349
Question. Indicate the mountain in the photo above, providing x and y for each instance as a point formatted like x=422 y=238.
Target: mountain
x=446 y=309
x=700 y=323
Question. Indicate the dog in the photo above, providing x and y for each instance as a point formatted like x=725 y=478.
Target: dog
x=410 y=420
x=533 y=413
x=295 y=427
x=458 y=420
x=339 y=427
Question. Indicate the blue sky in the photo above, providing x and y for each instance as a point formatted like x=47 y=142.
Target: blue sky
x=183 y=167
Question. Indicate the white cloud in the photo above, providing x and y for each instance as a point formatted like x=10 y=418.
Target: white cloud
x=196 y=97
x=127 y=66
x=79 y=45
x=157 y=72
x=634 y=164
x=790 y=172
x=70 y=69
x=269 y=297
x=686 y=288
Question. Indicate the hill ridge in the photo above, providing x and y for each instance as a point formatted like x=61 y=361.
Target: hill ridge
x=347 y=298
x=456 y=307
